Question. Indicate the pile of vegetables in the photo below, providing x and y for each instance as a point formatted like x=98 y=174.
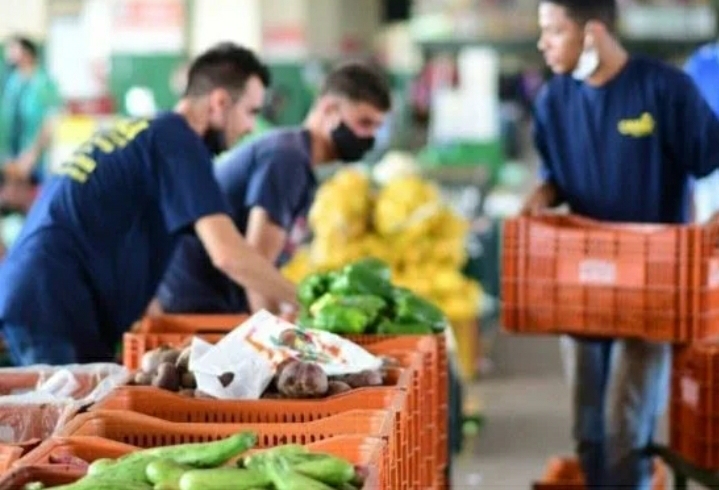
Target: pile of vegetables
x=360 y=298
x=300 y=379
x=167 y=368
x=405 y=224
x=204 y=466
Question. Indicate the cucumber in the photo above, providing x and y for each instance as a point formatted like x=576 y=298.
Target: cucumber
x=223 y=479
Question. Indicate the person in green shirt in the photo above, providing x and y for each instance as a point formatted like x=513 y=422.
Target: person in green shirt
x=29 y=101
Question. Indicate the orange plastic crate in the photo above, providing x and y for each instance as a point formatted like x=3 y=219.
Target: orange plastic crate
x=435 y=393
x=566 y=274
x=694 y=427
x=177 y=330
x=145 y=431
x=401 y=396
x=362 y=451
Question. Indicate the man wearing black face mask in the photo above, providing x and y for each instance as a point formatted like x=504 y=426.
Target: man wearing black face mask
x=100 y=235
x=269 y=184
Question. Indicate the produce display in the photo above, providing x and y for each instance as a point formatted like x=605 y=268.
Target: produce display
x=207 y=466
x=295 y=379
x=360 y=298
x=405 y=224
x=167 y=368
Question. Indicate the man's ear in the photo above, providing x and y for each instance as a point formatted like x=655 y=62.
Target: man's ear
x=593 y=32
x=220 y=99
x=329 y=104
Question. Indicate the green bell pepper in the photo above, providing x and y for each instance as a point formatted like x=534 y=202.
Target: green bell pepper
x=410 y=308
x=311 y=288
x=364 y=277
x=341 y=319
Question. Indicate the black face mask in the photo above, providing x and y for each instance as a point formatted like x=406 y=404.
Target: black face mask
x=350 y=147
x=215 y=141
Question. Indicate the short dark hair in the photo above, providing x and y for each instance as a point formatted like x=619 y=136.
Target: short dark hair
x=26 y=44
x=583 y=11
x=225 y=65
x=359 y=82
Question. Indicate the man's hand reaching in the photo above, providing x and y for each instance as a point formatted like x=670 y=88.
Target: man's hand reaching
x=544 y=197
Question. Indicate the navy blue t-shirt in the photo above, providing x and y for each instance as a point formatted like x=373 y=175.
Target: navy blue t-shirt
x=626 y=151
x=98 y=239
x=273 y=172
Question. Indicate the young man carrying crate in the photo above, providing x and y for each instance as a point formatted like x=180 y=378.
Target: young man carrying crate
x=620 y=137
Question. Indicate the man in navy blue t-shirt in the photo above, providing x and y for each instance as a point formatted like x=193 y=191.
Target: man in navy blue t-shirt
x=269 y=183
x=620 y=137
x=98 y=239
x=703 y=68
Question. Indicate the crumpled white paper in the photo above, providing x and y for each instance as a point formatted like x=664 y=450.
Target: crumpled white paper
x=253 y=351
x=249 y=374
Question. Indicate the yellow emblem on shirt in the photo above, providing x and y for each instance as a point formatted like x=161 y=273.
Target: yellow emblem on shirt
x=637 y=128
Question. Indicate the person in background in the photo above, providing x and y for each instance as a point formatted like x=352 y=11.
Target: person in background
x=703 y=68
x=30 y=100
x=620 y=137
x=100 y=234
x=269 y=184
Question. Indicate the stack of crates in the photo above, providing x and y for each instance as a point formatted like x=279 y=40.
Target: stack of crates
x=564 y=274
x=398 y=430
x=571 y=275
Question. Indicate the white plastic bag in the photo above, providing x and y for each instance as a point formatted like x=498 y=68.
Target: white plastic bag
x=253 y=351
x=40 y=399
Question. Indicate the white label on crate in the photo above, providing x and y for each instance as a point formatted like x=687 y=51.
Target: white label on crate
x=713 y=277
x=690 y=392
x=595 y=271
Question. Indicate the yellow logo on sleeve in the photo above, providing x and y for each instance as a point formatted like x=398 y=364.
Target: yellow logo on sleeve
x=637 y=128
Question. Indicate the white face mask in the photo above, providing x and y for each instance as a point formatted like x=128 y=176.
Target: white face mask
x=587 y=65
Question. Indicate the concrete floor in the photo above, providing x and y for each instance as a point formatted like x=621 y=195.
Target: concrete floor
x=525 y=402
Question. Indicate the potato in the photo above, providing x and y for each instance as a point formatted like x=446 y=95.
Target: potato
x=303 y=380
x=364 y=379
x=189 y=393
x=183 y=360
x=167 y=377
x=336 y=387
x=151 y=359
x=187 y=380
x=271 y=395
x=142 y=378
x=170 y=355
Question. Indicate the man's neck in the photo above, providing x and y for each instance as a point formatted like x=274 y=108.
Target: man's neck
x=192 y=115
x=610 y=67
x=322 y=150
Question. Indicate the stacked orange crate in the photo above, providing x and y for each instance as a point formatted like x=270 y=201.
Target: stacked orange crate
x=566 y=274
x=144 y=431
x=37 y=466
x=177 y=330
x=695 y=403
x=400 y=397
